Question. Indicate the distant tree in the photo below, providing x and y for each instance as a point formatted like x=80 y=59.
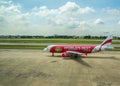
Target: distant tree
x=87 y=37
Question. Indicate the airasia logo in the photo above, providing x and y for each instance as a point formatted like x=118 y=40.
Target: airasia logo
x=58 y=49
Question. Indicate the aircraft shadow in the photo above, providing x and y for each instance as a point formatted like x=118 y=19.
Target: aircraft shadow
x=100 y=57
x=58 y=56
x=78 y=59
x=90 y=57
x=81 y=61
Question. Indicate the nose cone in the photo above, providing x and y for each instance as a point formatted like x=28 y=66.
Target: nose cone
x=45 y=49
x=48 y=48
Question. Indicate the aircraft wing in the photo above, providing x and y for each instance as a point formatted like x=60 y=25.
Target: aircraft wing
x=73 y=52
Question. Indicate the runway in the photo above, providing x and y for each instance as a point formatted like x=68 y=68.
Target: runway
x=38 y=68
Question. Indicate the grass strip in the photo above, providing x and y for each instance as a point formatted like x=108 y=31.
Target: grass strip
x=21 y=47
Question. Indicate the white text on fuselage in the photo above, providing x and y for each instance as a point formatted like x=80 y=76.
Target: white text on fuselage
x=78 y=48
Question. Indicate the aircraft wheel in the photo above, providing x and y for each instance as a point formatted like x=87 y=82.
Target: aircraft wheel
x=75 y=55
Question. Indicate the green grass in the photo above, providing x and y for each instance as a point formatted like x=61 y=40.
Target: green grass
x=116 y=48
x=77 y=41
x=21 y=47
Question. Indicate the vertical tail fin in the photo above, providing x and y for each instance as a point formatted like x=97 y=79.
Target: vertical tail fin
x=106 y=44
x=107 y=41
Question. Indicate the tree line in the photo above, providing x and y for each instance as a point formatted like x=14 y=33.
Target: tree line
x=56 y=36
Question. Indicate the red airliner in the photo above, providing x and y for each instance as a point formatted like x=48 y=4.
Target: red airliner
x=76 y=50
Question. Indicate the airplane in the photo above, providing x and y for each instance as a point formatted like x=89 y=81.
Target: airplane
x=78 y=50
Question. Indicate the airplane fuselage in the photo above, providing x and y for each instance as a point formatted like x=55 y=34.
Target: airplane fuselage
x=77 y=48
x=68 y=50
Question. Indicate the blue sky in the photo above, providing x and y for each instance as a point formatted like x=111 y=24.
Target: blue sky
x=97 y=4
x=62 y=17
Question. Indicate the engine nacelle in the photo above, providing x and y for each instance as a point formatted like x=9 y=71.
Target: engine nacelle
x=65 y=55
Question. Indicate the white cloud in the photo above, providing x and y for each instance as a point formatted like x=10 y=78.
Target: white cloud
x=73 y=8
x=69 y=19
x=99 y=21
x=119 y=22
x=87 y=10
x=69 y=7
x=113 y=12
x=5 y=2
x=67 y=15
x=83 y=23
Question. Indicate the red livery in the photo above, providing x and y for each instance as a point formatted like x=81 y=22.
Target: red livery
x=75 y=50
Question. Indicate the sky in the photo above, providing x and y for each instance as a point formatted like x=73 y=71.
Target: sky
x=60 y=17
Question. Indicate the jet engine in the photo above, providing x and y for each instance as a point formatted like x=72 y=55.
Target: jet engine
x=65 y=55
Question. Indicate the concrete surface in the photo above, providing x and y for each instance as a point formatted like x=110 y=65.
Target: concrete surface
x=38 y=68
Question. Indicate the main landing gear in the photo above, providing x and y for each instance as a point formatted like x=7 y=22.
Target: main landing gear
x=52 y=54
x=86 y=54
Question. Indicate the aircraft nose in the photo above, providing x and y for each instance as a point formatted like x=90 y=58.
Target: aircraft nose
x=45 y=49
x=48 y=48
